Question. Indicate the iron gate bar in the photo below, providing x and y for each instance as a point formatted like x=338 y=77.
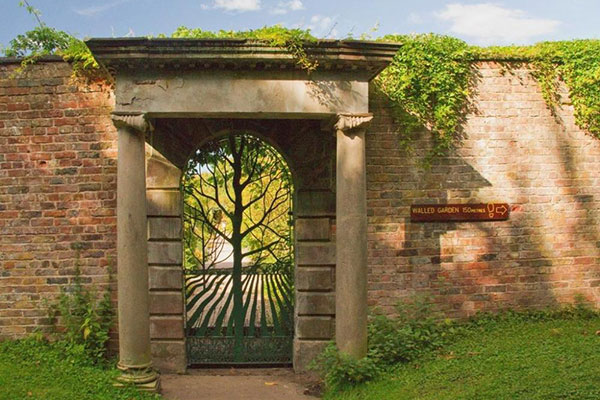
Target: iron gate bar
x=267 y=307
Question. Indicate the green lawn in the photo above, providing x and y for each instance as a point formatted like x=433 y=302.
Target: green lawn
x=557 y=359
x=507 y=359
x=36 y=370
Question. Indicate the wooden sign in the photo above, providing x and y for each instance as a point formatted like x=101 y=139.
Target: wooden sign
x=459 y=212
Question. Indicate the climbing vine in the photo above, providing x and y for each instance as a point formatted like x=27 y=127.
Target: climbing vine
x=44 y=41
x=430 y=78
x=576 y=63
x=293 y=40
x=430 y=81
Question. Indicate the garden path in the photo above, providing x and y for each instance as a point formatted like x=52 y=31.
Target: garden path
x=234 y=384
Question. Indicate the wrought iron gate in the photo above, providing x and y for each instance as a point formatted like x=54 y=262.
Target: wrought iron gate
x=266 y=308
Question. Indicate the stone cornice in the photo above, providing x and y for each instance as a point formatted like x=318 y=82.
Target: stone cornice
x=238 y=54
x=134 y=121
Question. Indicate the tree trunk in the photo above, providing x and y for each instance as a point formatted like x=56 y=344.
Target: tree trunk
x=236 y=243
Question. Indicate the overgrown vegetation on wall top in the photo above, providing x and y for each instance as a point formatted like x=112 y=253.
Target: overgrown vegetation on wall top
x=430 y=80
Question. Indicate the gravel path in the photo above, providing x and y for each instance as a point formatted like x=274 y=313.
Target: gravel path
x=234 y=384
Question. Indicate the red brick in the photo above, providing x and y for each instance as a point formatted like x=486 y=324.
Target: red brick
x=514 y=151
x=32 y=162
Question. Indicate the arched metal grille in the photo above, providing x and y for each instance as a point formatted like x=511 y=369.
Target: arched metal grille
x=238 y=312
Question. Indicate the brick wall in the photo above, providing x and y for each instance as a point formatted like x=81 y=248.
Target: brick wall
x=515 y=151
x=57 y=199
x=57 y=188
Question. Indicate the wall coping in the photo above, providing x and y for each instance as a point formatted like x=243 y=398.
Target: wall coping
x=184 y=53
x=18 y=60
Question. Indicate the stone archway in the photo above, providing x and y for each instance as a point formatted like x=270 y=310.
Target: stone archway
x=311 y=157
x=166 y=85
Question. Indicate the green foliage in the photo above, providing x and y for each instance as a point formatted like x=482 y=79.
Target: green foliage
x=40 y=41
x=418 y=333
x=415 y=331
x=31 y=10
x=33 y=368
x=31 y=348
x=513 y=356
x=431 y=78
x=291 y=39
x=44 y=40
x=576 y=63
x=580 y=69
x=81 y=319
x=80 y=56
x=340 y=371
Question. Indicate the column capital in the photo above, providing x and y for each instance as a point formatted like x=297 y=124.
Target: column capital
x=347 y=122
x=136 y=121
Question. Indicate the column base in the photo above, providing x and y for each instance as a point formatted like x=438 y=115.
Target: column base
x=144 y=378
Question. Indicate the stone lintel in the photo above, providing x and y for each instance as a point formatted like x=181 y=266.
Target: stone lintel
x=249 y=94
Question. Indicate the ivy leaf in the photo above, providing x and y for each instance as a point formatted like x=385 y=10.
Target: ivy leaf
x=86 y=332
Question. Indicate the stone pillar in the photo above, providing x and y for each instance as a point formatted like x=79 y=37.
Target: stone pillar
x=165 y=259
x=351 y=235
x=135 y=361
x=314 y=280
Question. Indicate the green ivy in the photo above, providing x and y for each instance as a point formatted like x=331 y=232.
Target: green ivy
x=293 y=40
x=576 y=63
x=40 y=41
x=44 y=41
x=430 y=80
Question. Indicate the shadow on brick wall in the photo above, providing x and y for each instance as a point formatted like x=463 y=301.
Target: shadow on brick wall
x=483 y=266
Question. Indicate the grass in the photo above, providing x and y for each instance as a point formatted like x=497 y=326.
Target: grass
x=33 y=369
x=512 y=357
x=504 y=359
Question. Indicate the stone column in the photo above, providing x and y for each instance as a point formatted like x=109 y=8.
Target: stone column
x=351 y=235
x=135 y=361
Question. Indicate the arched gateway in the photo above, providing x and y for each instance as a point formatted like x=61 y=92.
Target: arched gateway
x=171 y=95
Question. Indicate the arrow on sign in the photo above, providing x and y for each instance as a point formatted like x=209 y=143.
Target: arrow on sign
x=501 y=210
